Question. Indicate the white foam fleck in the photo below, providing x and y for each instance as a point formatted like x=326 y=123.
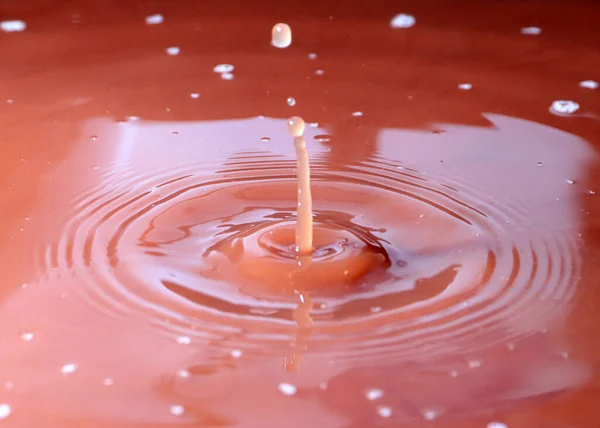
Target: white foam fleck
x=465 y=86
x=227 y=76
x=384 y=411
x=173 y=50
x=183 y=374
x=236 y=353
x=312 y=56
x=223 y=68
x=373 y=394
x=588 y=84
x=195 y=95
x=287 y=388
x=403 y=20
x=291 y=101
x=68 y=368
x=27 y=336
x=184 y=340
x=176 y=410
x=157 y=18
x=375 y=309
x=13 y=26
x=531 y=31
x=430 y=414
x=319 y=72
x=357 y=113
x=473 y=364
x=281 y=35
x=5 y=411
x=564 y=107
x=496 y=425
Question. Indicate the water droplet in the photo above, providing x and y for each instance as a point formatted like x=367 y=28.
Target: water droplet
x=314 y=124
x=291 y=101
x=195 y=95
x=403 y=20
x=184 y=340
x=4 y=411
x=589 y=84
x=236 y=353
x=384 y=411
x=323 y=386
x=155 y=19
x=430 y=414
x=563 y=107
x=13 y=26
x=287 y=388
x=473 y=364
x=570 y=181
x=312 y=56
x=539 y=164
x=357 y=113
x=94 y=137
x=176 y=410
x=373 y=394
x=173 y=50
x=453 y=373
x=281 y=35
x=183 y=374
x=375 y=309
x=227 y=76
x=591 y=192
x=265 y=139
x=68 y=368
x=531 y=31
x=465 y=86
x=27 y=336
x=296 y=126
x=108 y=382
x=511 y=346
x=323 y=138
x=496 y=425
x=223 y=68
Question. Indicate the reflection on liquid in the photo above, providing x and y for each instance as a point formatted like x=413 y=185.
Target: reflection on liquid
x=467 y=317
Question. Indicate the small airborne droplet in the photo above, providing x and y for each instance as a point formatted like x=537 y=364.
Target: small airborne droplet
x=496 y=425
x=374 y=394
x=12 y=26
x=589 y=84
x=4 y=411
x=173 y=50
x=281 y=35
x=184 y=340
x=291 y=102
x=68 y=369
x=176 y=410
x=564 y=107
x=195 y=95
x=403 y=20
x=296 y=126
x=154 y=19
x=465 y=86
x=287 y=388
x=384 y=411
x=312 y=56
x=531 y=31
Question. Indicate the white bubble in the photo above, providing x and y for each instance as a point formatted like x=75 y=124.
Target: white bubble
x=314 y=124
x=173 y=50
x=227 y=76
x=4 y=411
x=430 y=414
x=589 y=84
x=403 y=20
x=564 y=107
x=12 y=26
x=184 y=340
x=291 y=101
x=357 y=114
x=473 y=364
x=453 y=373
x=375 y=309
x=287 y=388
x=465 y=86
x=155 y=19
x=312 y=56
x=496 y=425
x=195 y=95
x=176 y=410
x=223 y=68
x=531 y=31
x=319 y=72
x=27 y=336
x=236 y=353
x=108 y=382
x=68 y=368
x=281 y=35
x=183 y=374
x=384 y=411
x=373 y=394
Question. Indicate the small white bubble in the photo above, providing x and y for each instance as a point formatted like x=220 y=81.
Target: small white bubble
x=496 y=425
x=591 y=192
x=465 y=86
x=68 y=368
x=570 y=181
x=564 y=107
x=108 y=382
x=223 y=68
x=589 y=84
x=312 y=56
x=176 y=410
x=27 y=336
x=155 y=19
x=291 y=101
x=183 y=374
x=236 y=353
x=357 y=113
x=4 y=411
x=531 y=31
x=10 y=101
x=319 y=72
x=13 y=26
x=184 y=340
x=429 y=414
x=453 y=373
x=473 y=364
x=173 y=50
x=373 y=394
x=384 y=411
x=195 y=95
x=227 y=76
x=287 y=388
x=403 y=20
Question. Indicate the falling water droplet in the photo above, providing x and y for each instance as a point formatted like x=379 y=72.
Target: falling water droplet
x=13 y=26
x=27 y=337
x=564 y=107
x=496 y=425
x=265 y=139
x=531 y=31
x=312 y=56
x=4 y=411
x=384 y=411
x=589 y=84
x=195 y=95
x=223 y=68
x=357 y=113
x=539 y=164
x=473 y=364
x=155 y=19
x=176 y=410
x=173 y=50
x=465 y=86
x=291 y=101
x=430 y=414
x=236 y=353
x=183 y=374
x=281 y=35
x=287 y=388
x=319 y=72
x=184 y=340
x=403 y=20
x=570 y=181
x=227 y=76
x=591 y=192
x=374 y=394
x=94 y=137
x=68 y=368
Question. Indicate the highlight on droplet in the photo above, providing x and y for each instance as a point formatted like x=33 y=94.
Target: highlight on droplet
x=281 y=35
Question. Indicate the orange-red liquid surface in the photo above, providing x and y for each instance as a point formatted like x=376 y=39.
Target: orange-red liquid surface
x=147 y=209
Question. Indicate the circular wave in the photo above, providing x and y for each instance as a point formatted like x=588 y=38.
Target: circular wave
x=464 y=268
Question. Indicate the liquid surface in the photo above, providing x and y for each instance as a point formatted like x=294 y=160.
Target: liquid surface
x=148 y=173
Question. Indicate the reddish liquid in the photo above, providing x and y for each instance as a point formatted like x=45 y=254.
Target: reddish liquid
x=141 y=283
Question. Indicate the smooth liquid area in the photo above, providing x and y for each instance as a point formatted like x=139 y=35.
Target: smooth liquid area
x=126 y=299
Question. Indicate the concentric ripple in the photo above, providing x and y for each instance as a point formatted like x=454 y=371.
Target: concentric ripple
x=448 y=261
